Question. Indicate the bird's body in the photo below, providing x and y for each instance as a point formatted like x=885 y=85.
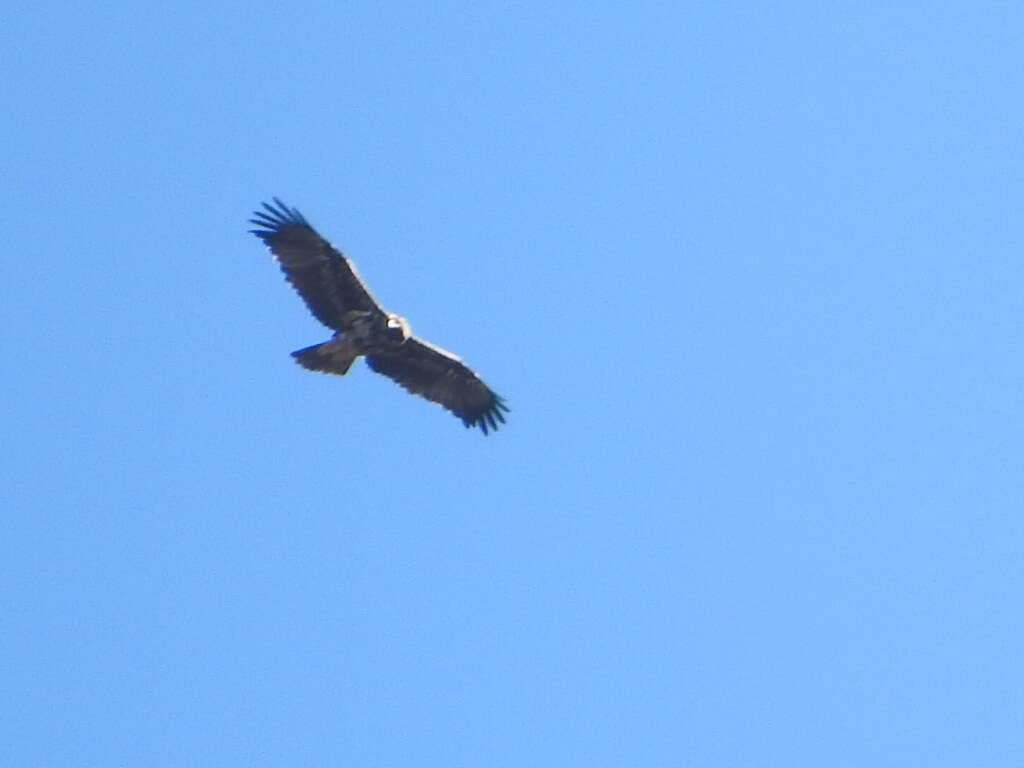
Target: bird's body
x=338 y=298
x=364 y=333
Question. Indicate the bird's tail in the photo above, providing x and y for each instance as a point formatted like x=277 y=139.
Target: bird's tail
x=335 y=356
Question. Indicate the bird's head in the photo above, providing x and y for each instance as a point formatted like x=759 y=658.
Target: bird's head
x=398 y=328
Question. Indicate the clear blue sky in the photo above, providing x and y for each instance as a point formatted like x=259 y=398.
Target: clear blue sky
x=749 y=275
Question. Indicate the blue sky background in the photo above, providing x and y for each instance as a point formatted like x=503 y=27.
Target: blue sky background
x=749 y=275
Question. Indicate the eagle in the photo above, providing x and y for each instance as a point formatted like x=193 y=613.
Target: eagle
x=336 y=295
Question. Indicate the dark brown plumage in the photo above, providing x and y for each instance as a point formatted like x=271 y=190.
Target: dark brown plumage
x=338 y=298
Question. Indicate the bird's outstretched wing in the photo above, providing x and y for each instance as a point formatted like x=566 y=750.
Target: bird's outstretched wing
x=442 y=378
x=324 y=278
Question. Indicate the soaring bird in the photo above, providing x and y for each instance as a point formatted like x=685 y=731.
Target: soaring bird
x=338 y=298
